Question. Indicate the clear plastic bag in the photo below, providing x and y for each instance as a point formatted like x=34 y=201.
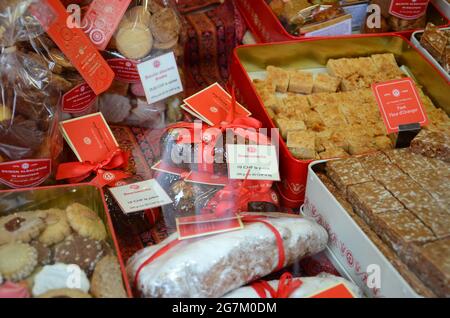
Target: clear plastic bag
x=147 y=30
x=397 y=16
x=29 y=96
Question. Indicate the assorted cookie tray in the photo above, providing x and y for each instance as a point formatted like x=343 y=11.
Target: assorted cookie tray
x=57 y=242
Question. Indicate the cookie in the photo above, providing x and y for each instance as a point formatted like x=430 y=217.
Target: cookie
x=165 y=25
x=107 y=279
x=23 y=226
x=79 y=250
x=44 y=253
x=57 y=229
x=115 y=108
x=60 y=276
x=17 y=260
x=134 y=40
x=86 y=222
x=30 y=279
x=65 y=293
x=166 y=45
x=13 y=290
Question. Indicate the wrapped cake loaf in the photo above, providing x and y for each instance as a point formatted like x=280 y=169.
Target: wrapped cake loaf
x=212 y=266
x=304 y=287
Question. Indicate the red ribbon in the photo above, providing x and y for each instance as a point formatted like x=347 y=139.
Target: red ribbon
x=76 y=172
x=210 y=135
x=245 y=219
x=286 y=286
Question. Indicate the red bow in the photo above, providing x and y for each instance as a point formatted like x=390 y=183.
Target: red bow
x=209 y=135
x=286 y=286
x=76 y=172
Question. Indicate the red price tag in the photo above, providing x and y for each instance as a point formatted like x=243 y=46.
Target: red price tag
x=399 y=104
x=408 y=9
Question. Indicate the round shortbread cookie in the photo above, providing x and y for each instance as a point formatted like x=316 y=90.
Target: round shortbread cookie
x=86 y=222
x=134 y=40
x=17 y=260
x=21 y=227
x=65 y=293
x=165 y=25
x=107 y=279
x=57 y=229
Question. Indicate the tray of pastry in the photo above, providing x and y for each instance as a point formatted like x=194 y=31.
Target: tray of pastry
x=317 y=92
x=58 y=242
x=397 y=201
x=434 y=44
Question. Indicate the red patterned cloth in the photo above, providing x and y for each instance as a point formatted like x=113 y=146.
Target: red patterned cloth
x=211 y=37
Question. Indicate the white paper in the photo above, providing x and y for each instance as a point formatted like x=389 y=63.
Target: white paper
x=261 y=160
x=160 y=77
x=140 y=196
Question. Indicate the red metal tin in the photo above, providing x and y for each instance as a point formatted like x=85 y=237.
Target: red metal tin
x=266 y=27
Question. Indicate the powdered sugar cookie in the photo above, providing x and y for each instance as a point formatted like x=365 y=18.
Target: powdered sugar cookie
x=115 y=108
x=107 y=279
x=86 y=222
x=79 y=250
x=57 y=229
x=60 y=276
x=17 y=260
x=65 y=293
x=23 y=226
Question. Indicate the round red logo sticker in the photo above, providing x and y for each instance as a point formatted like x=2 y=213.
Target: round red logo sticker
x=156 y=63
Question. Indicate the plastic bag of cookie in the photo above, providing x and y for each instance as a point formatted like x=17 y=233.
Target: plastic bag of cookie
x=148 y=29
x=30 y=90
x=395 y=15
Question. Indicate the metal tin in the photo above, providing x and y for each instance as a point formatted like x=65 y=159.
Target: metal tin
x=314 y=53
x=443 y=6
x=350 y=246
x=415 y=39
x=43 y=198
x=266 y=27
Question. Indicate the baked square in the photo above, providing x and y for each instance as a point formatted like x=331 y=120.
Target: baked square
x=279 y=77
x=302 y=144
x=326 y=83
x=301 y=82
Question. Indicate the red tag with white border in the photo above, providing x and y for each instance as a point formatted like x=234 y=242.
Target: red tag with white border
x=125 y=70
x=75 y=45
x=213 y=105
x=89 y=137
x=408 y=9
x=202 y=225
x=337 y=291
x=102 y=19
x=399 y=104
x=78 y=99
x=25 y=173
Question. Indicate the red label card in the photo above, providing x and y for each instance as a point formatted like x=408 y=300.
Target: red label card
x=78 y=99
x=74 y=44
x=25 y=173
x=213 y=105
x=408 y=9
x=89 y=137
x=125 y=70
x=202 y=225
x=101 y=20
x=337 y=291
x=399 y=103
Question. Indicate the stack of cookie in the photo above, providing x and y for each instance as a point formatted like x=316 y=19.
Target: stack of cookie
x=147 y=30
x=58 y=254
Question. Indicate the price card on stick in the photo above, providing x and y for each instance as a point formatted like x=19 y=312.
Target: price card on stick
x=399 y=104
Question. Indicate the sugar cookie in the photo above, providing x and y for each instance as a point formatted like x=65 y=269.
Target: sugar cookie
x=22 y=226
x=17 y=260
x=57 y=229
x=86 y=222
x=134 y=40
x=107 y=279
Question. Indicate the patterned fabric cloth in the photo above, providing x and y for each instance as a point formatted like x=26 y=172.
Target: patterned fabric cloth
x=212 y=35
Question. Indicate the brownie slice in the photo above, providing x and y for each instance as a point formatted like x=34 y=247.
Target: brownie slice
x=347 y=172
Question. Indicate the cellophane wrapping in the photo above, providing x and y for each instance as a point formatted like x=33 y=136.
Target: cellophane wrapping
x=212 y=266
